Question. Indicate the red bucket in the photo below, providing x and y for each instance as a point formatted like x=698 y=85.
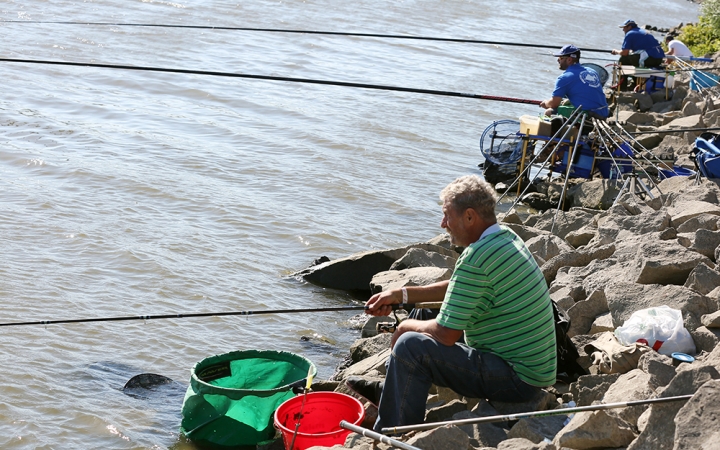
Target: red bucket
x=320 y=419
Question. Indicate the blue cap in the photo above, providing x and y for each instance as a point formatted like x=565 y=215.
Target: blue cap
x=628 y=22
x=568 y=50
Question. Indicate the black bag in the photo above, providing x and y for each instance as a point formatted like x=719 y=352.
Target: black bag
x=568 y=369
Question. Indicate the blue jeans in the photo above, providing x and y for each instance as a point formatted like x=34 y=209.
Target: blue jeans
x=418 y=361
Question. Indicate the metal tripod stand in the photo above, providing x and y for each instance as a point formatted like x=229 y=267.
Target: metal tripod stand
x=634 y=185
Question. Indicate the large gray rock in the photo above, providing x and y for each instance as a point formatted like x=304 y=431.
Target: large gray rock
x=354 y=272
x=595 y=194
x=703 y=279
x=365 y=348
x=565 y=222
x=633 y=385
x=694 y=121
x=696 y=424
x=711 y=320
x=537 y=429
x=665 y=262
x=704 y=221
x=577 y=258
x=481 y=434
x=582 y=236
x=448 y=437
x=659 y=433
x=589 y=388
x=523 y=444
x=705 y=339
x=547 y=246
x=583 y=313
x=706 y=242
x=417 y=257
x=659 y=367
x=417 y=276
x=682 y=211
x=593 y=430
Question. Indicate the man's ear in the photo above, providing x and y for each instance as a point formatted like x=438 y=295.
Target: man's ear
x=470 y=215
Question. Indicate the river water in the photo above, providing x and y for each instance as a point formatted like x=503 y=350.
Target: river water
x=128 y=193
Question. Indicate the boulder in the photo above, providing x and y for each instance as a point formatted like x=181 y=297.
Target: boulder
x=365 y=348
x=481 y=434
x=595 y=429
x=596 y=194
x=525 y=232
x=659 y=367
x=659 y=433
x=417 y=276
x=448 y=437
x=704 y=221
x=565 y=222
x=354 y=272
x=577 y=258
x=705 y=339
x=694 y=121
x=703 y=279
x=547 y=246
x=582 y=236
x=665 y=262
x=445 y=411
x=711 y=320
x=522 y=444
x=590 y=388
x=602 y=323
x=696 y=424
x=583 y=313
x=417 y=257
x=633 y=385
x=681 y=211
x=537 y=429
x=706 y=242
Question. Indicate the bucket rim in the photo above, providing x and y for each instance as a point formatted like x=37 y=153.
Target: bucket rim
x=282 y=428
x=246 y=354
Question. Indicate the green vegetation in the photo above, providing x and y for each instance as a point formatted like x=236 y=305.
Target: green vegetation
x=704 y=37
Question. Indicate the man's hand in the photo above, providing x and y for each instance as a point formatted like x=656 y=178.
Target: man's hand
x=380 y=304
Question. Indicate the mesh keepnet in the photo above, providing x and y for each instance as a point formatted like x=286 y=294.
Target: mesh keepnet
x=232 y=397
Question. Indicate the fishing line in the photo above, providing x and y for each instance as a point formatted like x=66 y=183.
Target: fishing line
x=329 y=33
x=272 y=78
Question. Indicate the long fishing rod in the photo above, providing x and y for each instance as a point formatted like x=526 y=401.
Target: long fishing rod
x=272 y=78
x=328 y=33
x=552 y=412
x=431 y=305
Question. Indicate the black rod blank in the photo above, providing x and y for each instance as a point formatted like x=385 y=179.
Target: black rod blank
x=329 y=33
x=273 y=78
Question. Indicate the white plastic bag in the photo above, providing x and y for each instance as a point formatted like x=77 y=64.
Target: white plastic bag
x=660 y=327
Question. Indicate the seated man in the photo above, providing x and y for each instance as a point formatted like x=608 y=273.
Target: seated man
x=579 y=84
x=497 y=299
x=676 y=48
x=646 y=50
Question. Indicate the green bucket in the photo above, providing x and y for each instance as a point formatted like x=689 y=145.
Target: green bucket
x=232 y=397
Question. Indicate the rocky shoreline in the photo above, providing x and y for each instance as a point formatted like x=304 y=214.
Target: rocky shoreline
x=602 y=262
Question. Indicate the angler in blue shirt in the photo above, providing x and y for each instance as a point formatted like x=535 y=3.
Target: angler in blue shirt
x=646 y=50
x=578 y=84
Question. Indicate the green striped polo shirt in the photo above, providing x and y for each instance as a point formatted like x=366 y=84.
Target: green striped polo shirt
x=499 y=297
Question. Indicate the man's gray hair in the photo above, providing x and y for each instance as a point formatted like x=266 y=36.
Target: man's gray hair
x=471 y=191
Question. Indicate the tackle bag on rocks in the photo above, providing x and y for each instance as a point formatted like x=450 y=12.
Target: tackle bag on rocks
x=706 y=155
x=568 y=369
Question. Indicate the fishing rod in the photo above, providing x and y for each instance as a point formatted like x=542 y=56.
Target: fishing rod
x=433 y=305
x=327 y=33
x=552 y=412
x=376 y=436
x=272 y=78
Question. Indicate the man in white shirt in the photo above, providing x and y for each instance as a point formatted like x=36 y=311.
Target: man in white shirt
x=676 y=48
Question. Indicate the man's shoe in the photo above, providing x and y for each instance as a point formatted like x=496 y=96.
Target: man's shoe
x=367 y=389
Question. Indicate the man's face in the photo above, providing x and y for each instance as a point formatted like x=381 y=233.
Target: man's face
x=453 y=222
x=627 y=28
x=564 y=62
